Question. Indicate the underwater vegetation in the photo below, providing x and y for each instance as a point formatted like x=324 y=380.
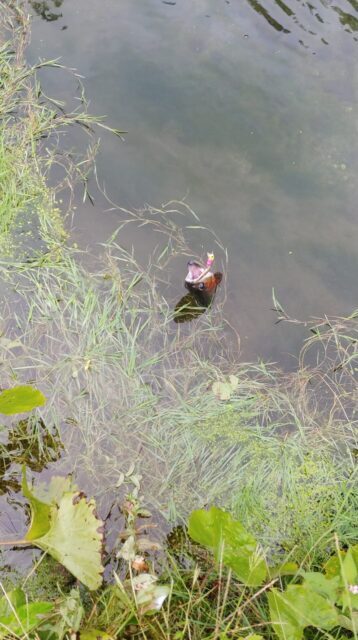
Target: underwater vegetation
x=235 y=581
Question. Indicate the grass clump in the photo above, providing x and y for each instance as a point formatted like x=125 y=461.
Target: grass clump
x=30 y=128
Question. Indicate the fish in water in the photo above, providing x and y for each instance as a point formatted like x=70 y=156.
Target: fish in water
x=201 y=283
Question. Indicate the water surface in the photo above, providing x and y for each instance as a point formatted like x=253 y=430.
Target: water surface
x=246 y=109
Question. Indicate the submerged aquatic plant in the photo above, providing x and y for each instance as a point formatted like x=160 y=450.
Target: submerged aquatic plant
x=135 y=386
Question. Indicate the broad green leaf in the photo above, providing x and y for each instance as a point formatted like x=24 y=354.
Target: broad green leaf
x=344 y=567
x=40 y=512
x=12 y=600
x=348 y=600
x=350 y=623
x=349 y=568
x=67 y=528
x=40 y=499
x=75 y=538
x=320 y=584
x=332 y=567
x=20 y=399
x=211 y=527
x=24 y=618
x=354 y=551
x=230 y=543
x=285 y=569
x=54 y=490
x=283 y=621
x=299 y=607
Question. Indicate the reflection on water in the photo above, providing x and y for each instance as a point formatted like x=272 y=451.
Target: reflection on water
x=30 y=443
x=44 y=9
x=282 y=16
x=242 y=108
x=307 y=16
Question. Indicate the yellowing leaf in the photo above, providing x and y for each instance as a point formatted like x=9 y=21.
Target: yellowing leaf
x=75 y=538
x=222 y=390
x=128 y=550
x=68 y=529
x=234 y=381
x=149 y=595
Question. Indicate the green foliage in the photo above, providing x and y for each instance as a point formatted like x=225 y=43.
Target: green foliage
x=70 y=613
x=19 y=617
x=95 y=634
x=319 y=601
x=343 y=569
x=322 y=600
x=20 y=399
x=298 y=607
x=230 y=543
x=64 y=524
x=47 y=580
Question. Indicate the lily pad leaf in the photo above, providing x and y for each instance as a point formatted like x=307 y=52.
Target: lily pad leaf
x=20 y=399
x=68 y=529
x=230 y=543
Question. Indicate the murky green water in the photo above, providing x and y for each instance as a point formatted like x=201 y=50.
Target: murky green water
x=248 y=110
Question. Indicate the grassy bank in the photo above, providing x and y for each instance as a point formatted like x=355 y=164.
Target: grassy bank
x=131 y=391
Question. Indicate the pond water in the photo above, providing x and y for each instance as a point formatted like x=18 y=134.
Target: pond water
x=246 y=109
